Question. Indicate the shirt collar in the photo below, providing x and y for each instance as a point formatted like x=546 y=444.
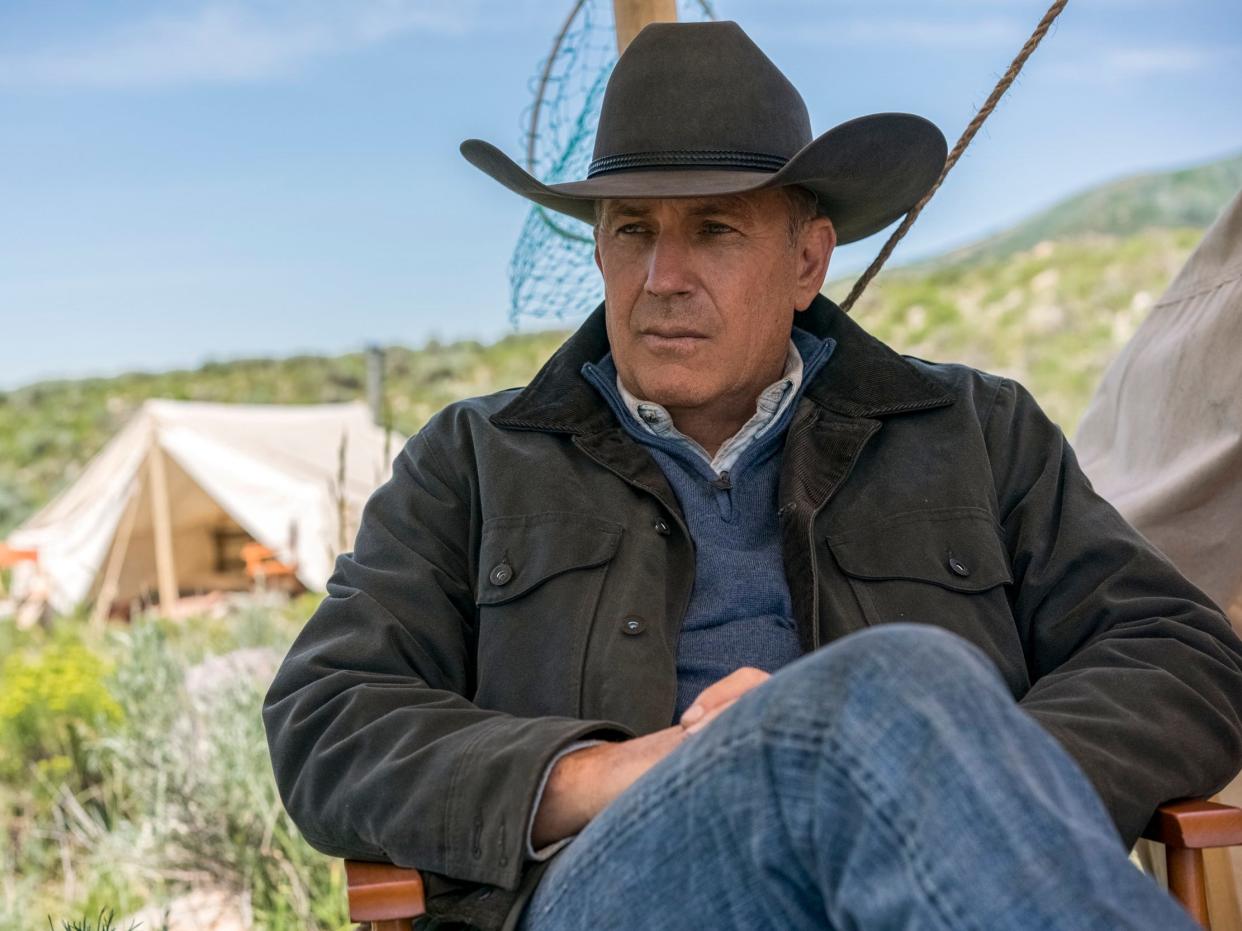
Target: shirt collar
x=656 y=419
x=871 y=379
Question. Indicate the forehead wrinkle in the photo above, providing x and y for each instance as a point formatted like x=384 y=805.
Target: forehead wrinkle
x=737 y=206
x=626 y=208
x=720 y=204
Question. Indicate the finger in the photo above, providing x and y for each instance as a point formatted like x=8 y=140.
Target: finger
x=727 y=689
x=734 y=684
x=708 y=717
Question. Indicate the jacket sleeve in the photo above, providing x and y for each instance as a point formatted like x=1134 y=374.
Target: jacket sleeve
x=378 y=752
x=546 y=851
x=1135 y=671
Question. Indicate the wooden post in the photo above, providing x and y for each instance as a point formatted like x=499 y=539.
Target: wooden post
x=116 y=557
x=161 y=519
x=1185 y=871
x=342 y=503
x=632 y=15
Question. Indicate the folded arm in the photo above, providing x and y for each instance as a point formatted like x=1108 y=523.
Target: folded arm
x=377 y=751
x=1136 y=672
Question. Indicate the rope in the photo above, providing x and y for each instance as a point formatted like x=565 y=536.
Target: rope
x=985 y=111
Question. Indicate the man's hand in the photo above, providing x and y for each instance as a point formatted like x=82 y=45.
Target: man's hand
x=720 y=695
x=584 y=783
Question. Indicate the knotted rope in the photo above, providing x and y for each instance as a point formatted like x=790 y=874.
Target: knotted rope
x=984 y=112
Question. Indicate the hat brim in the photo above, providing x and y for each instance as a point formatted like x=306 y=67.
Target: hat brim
x=866 y=172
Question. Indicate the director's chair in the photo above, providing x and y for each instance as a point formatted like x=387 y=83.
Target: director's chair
x=390 y=897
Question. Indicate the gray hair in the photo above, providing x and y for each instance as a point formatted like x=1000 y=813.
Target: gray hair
x=804 y=207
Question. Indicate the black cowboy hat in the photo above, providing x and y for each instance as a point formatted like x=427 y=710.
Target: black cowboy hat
x=695 y=109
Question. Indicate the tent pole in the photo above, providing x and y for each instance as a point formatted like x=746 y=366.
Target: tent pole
x=632 y=15
x=165 y=570
x=116 y=558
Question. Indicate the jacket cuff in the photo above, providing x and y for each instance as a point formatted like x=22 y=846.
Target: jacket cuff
x=548 y=849
x=491 y=794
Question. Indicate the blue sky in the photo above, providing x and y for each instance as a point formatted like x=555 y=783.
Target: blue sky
x=192 y=179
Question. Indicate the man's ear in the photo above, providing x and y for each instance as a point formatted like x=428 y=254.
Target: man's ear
x=815 y=245
x=598 y=263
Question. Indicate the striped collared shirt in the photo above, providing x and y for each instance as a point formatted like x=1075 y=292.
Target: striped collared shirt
x=768 y=407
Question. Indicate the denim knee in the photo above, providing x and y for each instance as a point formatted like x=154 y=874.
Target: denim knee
x=922 y=649
x=901 y=655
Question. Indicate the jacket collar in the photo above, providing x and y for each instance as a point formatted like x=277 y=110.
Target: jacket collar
x=865 y=378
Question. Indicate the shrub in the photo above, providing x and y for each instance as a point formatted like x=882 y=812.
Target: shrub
x=180 y=794
x=102 y=923
x=52 y=701
x=194 y=780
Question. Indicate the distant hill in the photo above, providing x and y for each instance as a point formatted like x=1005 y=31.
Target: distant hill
x=50 y=430
x=1186 y=198
x=1051 y=316
x=1048 y=302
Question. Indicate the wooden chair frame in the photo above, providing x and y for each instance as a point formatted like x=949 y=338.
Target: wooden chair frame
x=390 y=897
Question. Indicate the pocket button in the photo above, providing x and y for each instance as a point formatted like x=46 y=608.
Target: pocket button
x=633 y=625
x=501 y=573
x=957 y=567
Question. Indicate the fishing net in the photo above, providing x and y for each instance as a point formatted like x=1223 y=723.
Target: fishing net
x=552 y=274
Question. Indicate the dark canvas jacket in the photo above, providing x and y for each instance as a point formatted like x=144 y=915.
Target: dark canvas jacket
x=414 y=715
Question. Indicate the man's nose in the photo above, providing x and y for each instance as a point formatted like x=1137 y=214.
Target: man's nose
x=669 y=266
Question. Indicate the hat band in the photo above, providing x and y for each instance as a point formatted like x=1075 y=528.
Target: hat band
x=687 y=158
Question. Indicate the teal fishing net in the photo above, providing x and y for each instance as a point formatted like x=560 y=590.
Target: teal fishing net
x=552 y=274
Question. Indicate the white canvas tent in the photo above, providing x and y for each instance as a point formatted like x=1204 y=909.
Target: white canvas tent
x=166 y=505
x=1162 y=440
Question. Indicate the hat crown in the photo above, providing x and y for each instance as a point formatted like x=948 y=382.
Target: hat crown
x=697 y=88
x=698 y=110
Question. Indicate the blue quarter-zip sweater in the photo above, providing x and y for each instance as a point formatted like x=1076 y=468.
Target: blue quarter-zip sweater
x=740 y=612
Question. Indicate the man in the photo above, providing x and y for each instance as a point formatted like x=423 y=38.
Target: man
x=734 y=617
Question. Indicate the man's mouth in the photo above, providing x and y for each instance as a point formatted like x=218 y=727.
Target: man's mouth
x=672 y=332
x=672 y=340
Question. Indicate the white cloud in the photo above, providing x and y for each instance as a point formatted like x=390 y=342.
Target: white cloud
x=1169 y=60
x=1111 y=65
x=227 y=42
x=907 y=31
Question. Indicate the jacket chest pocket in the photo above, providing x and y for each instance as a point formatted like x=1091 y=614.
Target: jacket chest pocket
x=539 y=582
x=942 y=566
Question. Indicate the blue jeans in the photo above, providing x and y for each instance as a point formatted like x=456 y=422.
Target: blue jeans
x=885 y=781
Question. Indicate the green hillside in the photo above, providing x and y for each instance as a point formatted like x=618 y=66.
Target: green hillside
x=1187 y=198
x=1049 y=303
x=1051 y=300
x=1052 y=316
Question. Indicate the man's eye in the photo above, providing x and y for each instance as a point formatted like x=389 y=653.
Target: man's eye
x=629 y=228
x=717 y=228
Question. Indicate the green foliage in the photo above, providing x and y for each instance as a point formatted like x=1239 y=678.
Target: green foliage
x=182 y=795
x=103 y=923
x=1052 y=317
x=52 y=701
x=1191 y=197
x=193 y=772
x=55 y=709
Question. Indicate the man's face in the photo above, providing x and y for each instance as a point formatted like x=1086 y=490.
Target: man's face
x=700 y=293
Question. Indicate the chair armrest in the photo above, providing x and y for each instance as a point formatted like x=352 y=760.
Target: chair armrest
x=383 y=892
x=1195 y=824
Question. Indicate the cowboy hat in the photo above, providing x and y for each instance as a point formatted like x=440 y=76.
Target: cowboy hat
x=695 y=109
